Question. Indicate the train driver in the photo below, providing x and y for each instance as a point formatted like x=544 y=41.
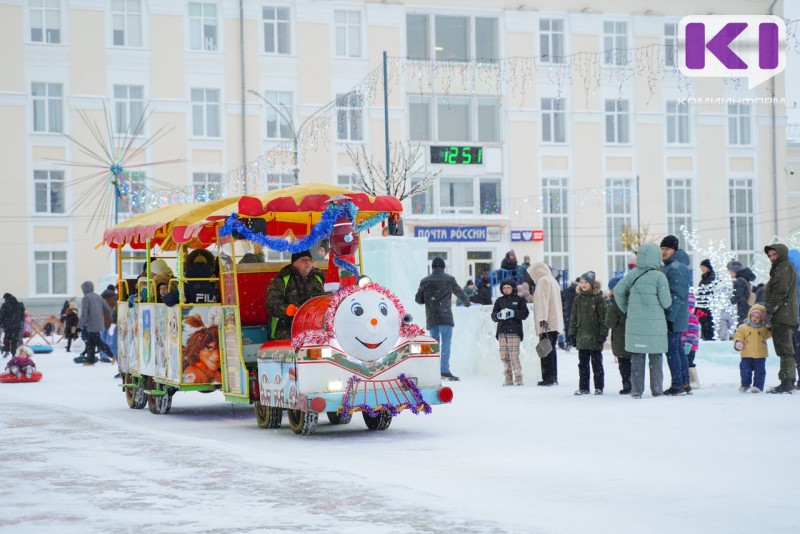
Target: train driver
x=291 y=288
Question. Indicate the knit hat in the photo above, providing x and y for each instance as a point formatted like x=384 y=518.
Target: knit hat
x=734 y=266
x=589 y=276
x=438 y=262
x=303 y=254
x=613 y=282
x=670 y=242
x=632 y=261
x=111 y=287
x=508 y=282
x=707 y=264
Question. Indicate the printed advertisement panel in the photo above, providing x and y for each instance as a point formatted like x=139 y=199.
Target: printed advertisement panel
x=200 y=339
x=235 y=372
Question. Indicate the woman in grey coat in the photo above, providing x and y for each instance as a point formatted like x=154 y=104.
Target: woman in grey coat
x=644 y=295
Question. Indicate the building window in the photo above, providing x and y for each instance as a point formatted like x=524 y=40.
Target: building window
x=551 y=40
x=348 y=181
x=348 y=117
x=741 y=208
x=455 y=38
x=51 y=272
x=47 y=107
x=456 y=196
x=347 y=28
x=205 y=112
x=202 y=26
x=553 y=120
x=454 y=118
x=128 y=108
x=279 y=181
x=206 y=186
x=738 y=124
x=555 y=220
x=276 y=29
x=617 y=121
x=422 y=202
x=45 y=21
x=126 y=21
x=488 y=119
x=615 y=42
x=279 y=115
x=679 y=205
x=419 y=118
x=133 y=262
x=671 y=44
x=677 y=122
x=619 y=211
x=489 y=196
x=49 y=191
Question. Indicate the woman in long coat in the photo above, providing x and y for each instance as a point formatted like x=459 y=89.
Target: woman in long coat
x=644 y=295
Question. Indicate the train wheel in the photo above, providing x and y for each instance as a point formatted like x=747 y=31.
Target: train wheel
x=158 y=404
x=135 y=395
x=379 y=422
x=336 y=418
x=267 y=416
x=303 y=422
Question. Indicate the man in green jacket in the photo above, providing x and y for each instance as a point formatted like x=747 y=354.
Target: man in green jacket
x=780 y=299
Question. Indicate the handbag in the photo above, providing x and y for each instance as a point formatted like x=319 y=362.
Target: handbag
x=544 y=347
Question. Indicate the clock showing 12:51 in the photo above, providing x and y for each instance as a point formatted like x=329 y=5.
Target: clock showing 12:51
x=457 y=155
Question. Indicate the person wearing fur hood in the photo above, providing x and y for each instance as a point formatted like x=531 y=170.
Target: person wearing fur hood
x=588 y=332
x=548 y=317
x=509 y=311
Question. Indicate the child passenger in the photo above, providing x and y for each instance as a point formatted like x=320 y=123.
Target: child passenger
x=508 y=312
x=751 y=340
x=587 y=332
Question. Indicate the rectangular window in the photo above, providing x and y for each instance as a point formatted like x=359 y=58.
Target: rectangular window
x=738 y=124
x=617 y=121
x=417 y=37
x=47 y=107
x=679 y=205
x=132 y=262
x=489 y=193
x=206 y=186
x=553 y=120
x=279 y=115
x=555 y=222
x=347 y=28
x=454 y=118
x=279 y=181
x=551 y=40
x=51 y=272
x=456 y=196
x=742 y=220
x=488 y=119
x=349 y=117
x=619 y=204
x=276 y=30
x=671 y=44
x=422 y=203
x=202 y=26
x=419 y=118
x=49 y=191
x=452 y=38
x=615 y=42
x=126 y=22
x=486 y=40
x=348 y=181
x=677 y=122
x=205 y=112
x=128 y=108
x=45 y=21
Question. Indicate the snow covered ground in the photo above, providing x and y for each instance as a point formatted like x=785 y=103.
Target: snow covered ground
x=75 y=458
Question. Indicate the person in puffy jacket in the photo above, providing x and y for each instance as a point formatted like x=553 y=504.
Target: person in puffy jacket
x=197 y=289
x=676 y=269
x=92 y=321
x=741 y=289
x=794 y=258
x=12 y=316
x=780 y=301
x=751 y=340
x=509 y=311
x=588 y=332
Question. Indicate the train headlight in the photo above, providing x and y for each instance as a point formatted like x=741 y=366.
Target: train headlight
x=421 y=348
x=363 y=280
x=335 y=386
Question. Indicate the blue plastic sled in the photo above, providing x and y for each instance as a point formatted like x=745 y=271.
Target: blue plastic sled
x=41 y=349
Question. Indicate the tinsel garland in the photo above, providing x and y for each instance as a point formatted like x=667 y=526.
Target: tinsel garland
x=346 y=265
x=352 y=385
x=366 y=224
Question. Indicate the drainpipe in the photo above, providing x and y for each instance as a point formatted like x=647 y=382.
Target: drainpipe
x=241 y=65
x=774 y=147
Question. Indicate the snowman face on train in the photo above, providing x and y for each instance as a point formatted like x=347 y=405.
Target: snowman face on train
x=367 y=325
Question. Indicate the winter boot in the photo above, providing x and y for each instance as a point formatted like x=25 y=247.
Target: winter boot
x=28 y=372
x=15 y=372
x=694 y=381
x=786 y=386
x=674 y=392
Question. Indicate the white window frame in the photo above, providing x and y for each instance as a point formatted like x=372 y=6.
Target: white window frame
x=49 y=21
x=617 y=121
x=281 y=29
x=619 y=212
x=483 y=126
x=615 y=43
x=742 y=224
x=131 y=36
x=48 y=106
x=350 y=111
x=423 y=104
x=550 y=39
x=471 y=41
x=739 y=125
x=132 y=261
x=279 y=125
x=204 y=108
x=200 y=25
x=554 y=114
x=679 y=191
x=475 y=204
x=52 y=184
x=678 y=120
x=423 y=202
x=277 y=180
x=56 y=262
x=556 y=221
x=126 y=108
x=671 y=44
x=347 y=33
x=206 y=186
x=348 y=181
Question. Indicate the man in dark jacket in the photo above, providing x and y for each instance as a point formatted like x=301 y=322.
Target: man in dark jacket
x=780 y=300
x=93 y=310
x=12 y=315
x=434 y=292
x=741 y=276
x=291 y=288
x=676 y=269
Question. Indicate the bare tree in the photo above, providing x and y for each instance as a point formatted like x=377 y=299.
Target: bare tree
x=370 y=177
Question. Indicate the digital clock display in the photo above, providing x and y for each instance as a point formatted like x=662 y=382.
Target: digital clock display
x=457 y=155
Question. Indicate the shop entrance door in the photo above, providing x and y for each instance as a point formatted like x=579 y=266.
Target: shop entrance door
x=478 y=263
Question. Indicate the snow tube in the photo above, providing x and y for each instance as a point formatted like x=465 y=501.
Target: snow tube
x=41 y=349
x=8 y=378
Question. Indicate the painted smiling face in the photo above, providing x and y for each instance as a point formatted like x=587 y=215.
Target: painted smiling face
x=367 y=325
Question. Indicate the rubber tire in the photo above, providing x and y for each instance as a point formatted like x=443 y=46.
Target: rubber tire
x=267 y=416
x=335 y=418
x=381 y=422
x=303 y=423
x=135 y=396
x=158 y=404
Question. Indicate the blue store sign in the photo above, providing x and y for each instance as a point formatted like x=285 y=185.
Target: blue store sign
x=452 y=233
